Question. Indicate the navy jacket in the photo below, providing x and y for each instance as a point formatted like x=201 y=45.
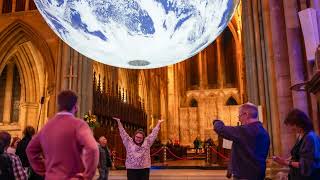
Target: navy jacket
x=249 y=148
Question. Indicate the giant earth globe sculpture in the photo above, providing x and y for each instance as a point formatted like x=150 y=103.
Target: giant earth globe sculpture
x=138 y=34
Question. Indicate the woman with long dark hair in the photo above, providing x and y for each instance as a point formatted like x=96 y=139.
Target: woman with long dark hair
x=304 y=162
x=138 y=160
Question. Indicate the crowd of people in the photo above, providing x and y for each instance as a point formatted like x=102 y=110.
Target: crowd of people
x=65 y=148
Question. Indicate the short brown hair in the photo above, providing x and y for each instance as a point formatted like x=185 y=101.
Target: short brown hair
x=300 y=119
x=67 y=100
x=5 y=138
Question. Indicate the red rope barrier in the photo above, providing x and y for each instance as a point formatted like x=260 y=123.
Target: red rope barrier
x=170 y=152
x=157 y=152
x=218 y=153
x=114 y=153
x=175 y=155
x=181 y=157
x=117 y=158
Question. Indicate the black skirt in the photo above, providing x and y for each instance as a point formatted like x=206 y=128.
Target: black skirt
x=138 y=174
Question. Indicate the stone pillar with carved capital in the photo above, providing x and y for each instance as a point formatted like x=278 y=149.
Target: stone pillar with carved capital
x=8 y=93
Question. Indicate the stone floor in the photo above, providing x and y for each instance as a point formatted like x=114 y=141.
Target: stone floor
x=175 y=174
x=187 y=164
x=183 y=163
x=191 y=170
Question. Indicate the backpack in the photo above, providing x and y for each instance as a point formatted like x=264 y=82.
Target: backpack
x=6 y=170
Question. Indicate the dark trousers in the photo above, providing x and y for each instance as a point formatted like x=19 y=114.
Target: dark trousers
x=138 y=174
x=103 y=173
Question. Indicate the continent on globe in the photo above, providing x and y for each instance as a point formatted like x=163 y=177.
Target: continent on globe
x=138 y=34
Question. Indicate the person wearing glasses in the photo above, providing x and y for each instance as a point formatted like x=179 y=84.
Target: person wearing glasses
x=250 y=144
x=138 y=159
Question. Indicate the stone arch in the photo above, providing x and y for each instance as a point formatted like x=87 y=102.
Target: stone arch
x=235 y=36
x=193 y=102
x=21 y=45
x=231 y=101
x=239 y=60
x=233 y=94
x=18 y=33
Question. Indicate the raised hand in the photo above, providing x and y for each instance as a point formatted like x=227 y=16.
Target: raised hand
x=160 y=121
x=117 y=119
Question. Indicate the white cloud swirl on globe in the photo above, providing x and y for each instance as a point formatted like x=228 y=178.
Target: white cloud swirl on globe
x=115 y=32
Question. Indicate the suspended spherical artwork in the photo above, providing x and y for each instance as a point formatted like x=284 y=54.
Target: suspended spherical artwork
x=138 y=34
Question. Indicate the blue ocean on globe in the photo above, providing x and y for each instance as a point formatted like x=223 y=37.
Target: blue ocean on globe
x=138 y=34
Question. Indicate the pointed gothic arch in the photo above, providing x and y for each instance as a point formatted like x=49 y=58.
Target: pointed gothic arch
x=231 y=101
x=18 y=33
x=22 y=46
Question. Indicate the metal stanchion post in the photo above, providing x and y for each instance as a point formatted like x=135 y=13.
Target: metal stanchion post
x=113 y=160
x=165 y=155
x=207 y=155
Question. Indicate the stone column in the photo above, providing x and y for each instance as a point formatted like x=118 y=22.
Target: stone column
x=27 y=5
x=310 y=68
x=202 y=115
x=249 y=52
x=8 y=94
x=203 y=70
x=22 y=115
x=173 y=122
x=296 y=57
x=220 y=67
x=282 y=75
x=266 y=60
x=14 y=4
x=316 y=5
x=1 y=7
x=75 y=72
x=272 y=113
x=164 y=111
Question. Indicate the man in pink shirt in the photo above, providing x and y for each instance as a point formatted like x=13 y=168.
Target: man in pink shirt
x=65 y=147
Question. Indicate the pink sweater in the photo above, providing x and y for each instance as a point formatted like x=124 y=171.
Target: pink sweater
x=68 y=147
x=138 y=157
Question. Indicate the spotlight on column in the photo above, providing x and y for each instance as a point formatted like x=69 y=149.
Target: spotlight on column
x=309 y=25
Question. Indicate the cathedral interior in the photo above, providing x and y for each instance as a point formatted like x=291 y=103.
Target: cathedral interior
x=261 y=57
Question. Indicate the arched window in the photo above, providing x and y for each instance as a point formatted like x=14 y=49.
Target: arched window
x=231 y=101
x=16 y=93
x=20 y=5
x=3 y=78
x=10 y=79
x=32 y=5
x=229 y=60
x=193 y=73
x=193 y=103
x=7 y=6
x=212 y=65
